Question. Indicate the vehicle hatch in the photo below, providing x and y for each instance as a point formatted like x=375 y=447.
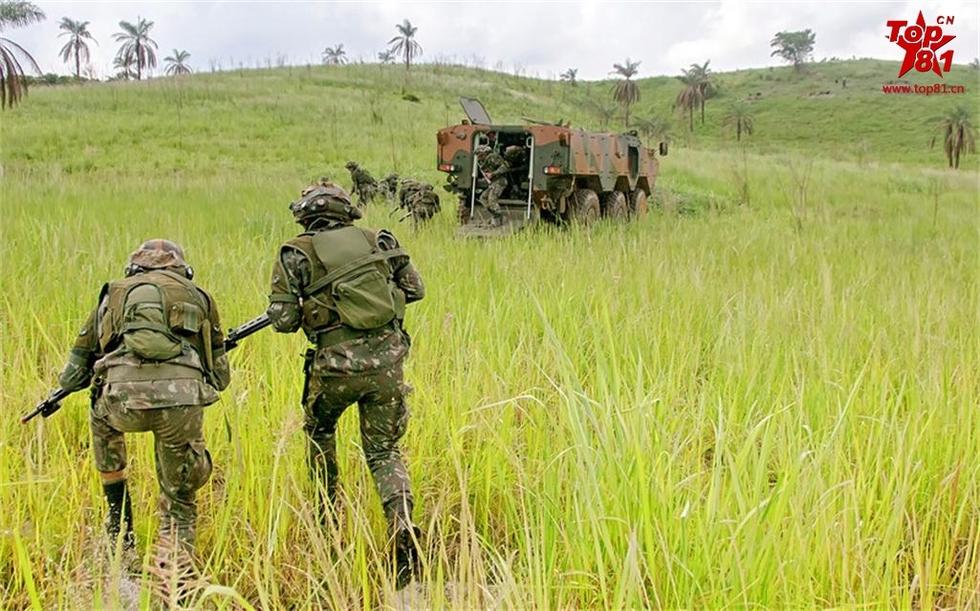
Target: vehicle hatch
x=475 y=111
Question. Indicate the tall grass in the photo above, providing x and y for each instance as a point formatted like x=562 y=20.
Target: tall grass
x=719 y=406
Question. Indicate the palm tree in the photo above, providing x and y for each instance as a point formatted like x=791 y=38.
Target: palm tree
x=334 y=56
x=690 y=97
x=405 y=44
x=137 y=44
x=740 y=118
x=625 y=91
x=177 y=63
x=386 y=57
x=959 y=133
x=569 y=76
x=77 y=33
x=701 y=75
x=125 y=67
x=13 y=85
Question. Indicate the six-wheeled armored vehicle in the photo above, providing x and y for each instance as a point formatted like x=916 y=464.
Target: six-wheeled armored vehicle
x=555 y=173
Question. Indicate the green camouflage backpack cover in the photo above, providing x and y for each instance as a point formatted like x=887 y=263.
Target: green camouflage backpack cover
x=352 y=285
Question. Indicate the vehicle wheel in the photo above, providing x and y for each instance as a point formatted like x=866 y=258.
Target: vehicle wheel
x=614 y=206
x=638 y=204
x=585 y=207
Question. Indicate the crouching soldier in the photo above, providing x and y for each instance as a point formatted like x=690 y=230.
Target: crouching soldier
x=153 y=352
x=347 y=287
x=424 y=204
x=389 y=186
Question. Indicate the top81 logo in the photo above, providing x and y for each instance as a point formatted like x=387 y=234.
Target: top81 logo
x=922 y=44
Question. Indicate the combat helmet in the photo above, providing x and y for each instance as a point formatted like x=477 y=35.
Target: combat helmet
x=482 y=150
x=323 y=200
x=158 y=254
x=350 y=165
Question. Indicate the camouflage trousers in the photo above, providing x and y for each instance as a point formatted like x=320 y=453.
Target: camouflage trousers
x=491 y=195
x=380 y=397
x=183 y=463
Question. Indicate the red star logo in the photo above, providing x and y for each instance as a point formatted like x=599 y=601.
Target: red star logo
x=912 y=48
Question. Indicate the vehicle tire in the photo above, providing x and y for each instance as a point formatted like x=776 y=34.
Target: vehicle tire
x=614 y=206
x=585 y=207
x=638 y=204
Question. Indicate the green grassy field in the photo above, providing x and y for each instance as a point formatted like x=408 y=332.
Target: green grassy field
x=740 y=401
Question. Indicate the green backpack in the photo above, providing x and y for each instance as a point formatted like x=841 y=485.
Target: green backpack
x=359 y=278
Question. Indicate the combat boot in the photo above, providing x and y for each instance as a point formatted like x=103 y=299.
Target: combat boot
x=120 y=515
x=405 y=538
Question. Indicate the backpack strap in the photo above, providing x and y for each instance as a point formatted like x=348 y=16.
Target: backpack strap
x=350 y=266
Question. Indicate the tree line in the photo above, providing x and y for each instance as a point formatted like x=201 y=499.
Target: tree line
x=403 y=46
x=137 y=51
x=137 y=54
x=955 y=126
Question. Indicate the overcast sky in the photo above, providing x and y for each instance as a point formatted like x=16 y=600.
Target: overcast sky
x=541 y=38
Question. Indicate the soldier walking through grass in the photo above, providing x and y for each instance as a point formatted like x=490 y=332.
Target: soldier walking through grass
x=347 y=287
x=364 y=185
x=152 y=350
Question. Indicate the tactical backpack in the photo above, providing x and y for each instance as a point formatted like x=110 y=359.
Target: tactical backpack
x=358 y=278
x=154 y=314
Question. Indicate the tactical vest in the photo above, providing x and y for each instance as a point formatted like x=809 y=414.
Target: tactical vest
x=350 y=283
x=183 y=317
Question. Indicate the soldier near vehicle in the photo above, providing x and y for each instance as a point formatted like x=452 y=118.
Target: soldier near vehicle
x=424 y=203
x=419 y=200
x=363 y=184
x=494 y=169
x=510 y=176
x=347 y=288
x=153 y=352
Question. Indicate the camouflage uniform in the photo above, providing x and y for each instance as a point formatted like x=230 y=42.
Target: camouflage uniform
x=494 y=169
x=364 y=185
x=389 y=186
x=132 y=393
x=347 y=365
x=424 y=203
x=408 y=188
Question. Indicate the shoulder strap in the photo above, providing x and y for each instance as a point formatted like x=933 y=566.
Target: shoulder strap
x=191 y=288
x=339 y=272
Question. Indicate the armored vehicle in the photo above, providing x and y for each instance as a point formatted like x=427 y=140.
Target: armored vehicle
x=555 y=174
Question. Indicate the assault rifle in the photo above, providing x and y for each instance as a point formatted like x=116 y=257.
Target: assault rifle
x=53 y=402
x=48 y=406
x=239 y=333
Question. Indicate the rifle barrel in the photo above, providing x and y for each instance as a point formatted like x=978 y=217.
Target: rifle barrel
x=54 y=398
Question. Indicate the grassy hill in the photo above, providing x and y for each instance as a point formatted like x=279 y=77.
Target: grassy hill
x=763 y=394
x=264 y=118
